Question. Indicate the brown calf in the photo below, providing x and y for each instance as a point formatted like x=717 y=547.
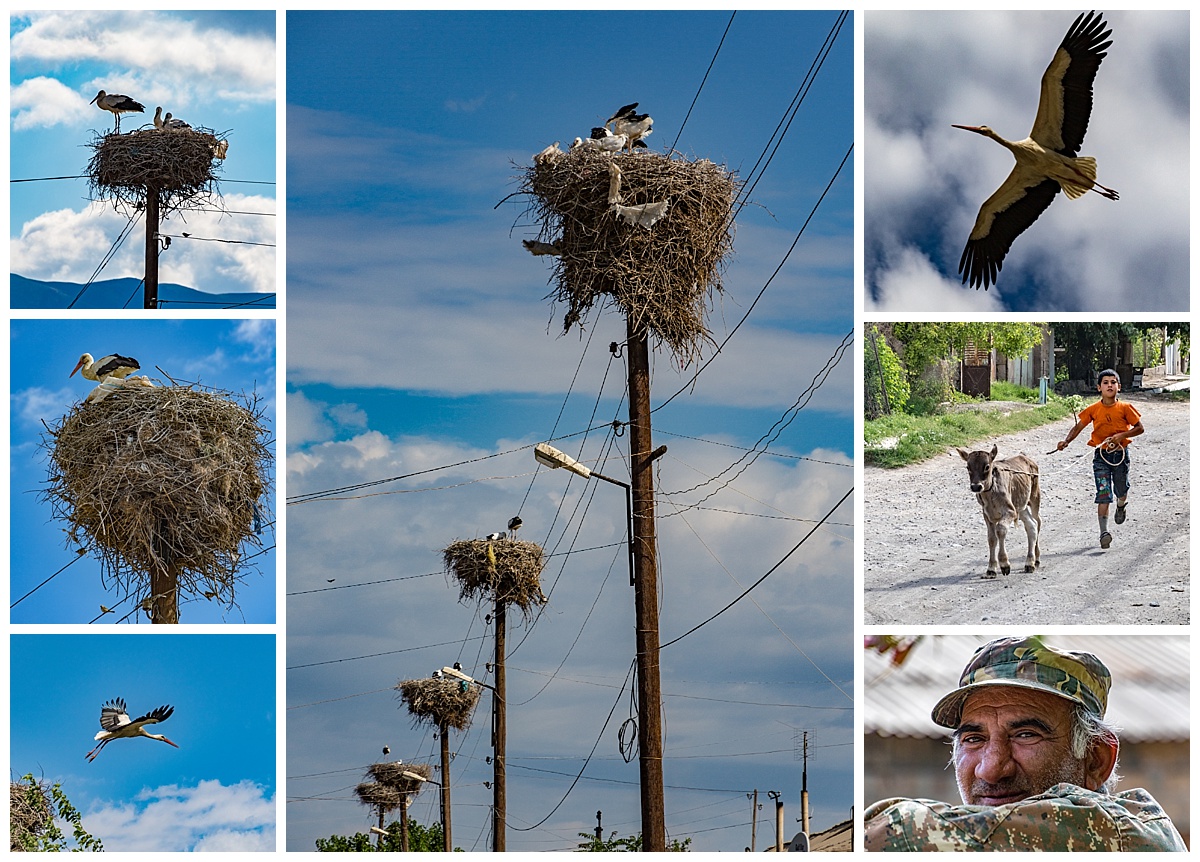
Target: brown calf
x=1006 y=489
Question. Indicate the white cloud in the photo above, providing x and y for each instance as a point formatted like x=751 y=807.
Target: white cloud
x=42 y=102
x=208 y=816
x=165 y=58
x=66 y=245
x=34 y=405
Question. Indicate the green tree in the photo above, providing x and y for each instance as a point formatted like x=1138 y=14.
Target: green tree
x=421 y=839
x=1091 y=347
x=35 y=811
x=925 y=343
x=882 y=372
x=632 y=844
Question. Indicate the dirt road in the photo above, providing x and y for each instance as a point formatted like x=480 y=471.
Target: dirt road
x=926 y=543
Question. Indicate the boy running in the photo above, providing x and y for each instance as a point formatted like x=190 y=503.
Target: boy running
x=1115 y=422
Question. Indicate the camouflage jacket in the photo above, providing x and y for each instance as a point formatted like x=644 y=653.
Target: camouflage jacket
x=1065 y=817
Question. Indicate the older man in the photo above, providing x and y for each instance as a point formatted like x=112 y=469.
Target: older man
x=1035 y=763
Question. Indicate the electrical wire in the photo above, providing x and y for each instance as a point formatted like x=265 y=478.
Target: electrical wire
x=703 y=80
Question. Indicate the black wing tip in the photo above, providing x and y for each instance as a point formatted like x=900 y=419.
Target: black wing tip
x=1086 y=33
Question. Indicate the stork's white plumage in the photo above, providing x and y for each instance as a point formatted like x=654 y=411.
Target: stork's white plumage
x=645 y=214
x=116 y=724
x=1048 y=160
x=551 y=152
x=634 y=126
x=158 y=118
x=174 y=124
x=605 y=141
x=112 y=365
x=118 y=105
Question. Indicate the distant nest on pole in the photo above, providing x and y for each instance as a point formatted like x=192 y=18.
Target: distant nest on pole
x=439 y=701
x=29 y=813
x=505 y=570
x=662 y=272
x=391 y=775
x=379 y=795
x=163 y=477
x=180 y=164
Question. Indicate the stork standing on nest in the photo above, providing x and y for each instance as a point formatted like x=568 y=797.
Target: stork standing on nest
x=116 y=724
x=112 y=365
x=632 y=125
x=118 y=105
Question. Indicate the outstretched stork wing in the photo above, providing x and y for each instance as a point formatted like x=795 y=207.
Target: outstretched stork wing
x=154 y=716
x=1066 y=103
x=1014 y=206
x=113 y=714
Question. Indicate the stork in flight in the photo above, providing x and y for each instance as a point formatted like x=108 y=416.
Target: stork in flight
x=1048 y=159
x=116 y=725
x=112 y=365
x=118 y=105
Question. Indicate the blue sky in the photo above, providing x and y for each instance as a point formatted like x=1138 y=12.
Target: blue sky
x=216 y=791
x=925 y=181
x=237 y=356
x=419 y=337
x=215 y=70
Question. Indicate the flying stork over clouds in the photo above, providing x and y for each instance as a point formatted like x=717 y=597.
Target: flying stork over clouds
x=1048 y=159
x=118 y=104
x=112 y=365
x=114 y=719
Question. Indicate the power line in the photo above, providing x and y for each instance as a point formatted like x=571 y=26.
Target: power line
x=374 y=655
x=703 y=80
x=216 y=239
x=43 y=583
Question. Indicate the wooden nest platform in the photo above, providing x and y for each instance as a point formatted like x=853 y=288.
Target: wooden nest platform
x=663 y=272
x=180 y=164
x=163 y=478
x=29 y=813
x=440 y=701
x=391 y=775
x=504 y=570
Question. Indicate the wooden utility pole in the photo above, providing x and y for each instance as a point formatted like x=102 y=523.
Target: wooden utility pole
x=644 y=538
x=444 y=733
x=403 y=822
x=150 y=291
x=754 y=822
x=804 y=788
x=500 y=734
x=164 y=581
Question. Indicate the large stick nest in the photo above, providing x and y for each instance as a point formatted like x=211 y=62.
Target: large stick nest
x=662 y=276
x=180 y=164
x=439 y=701
x=378 y=795
x=505 y=570
x=29 y=813
x=163 y=477
x=391 y=775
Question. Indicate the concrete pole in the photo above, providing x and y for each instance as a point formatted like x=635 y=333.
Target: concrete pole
x=150 y=285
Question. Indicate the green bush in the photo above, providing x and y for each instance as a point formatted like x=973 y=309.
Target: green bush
x=888 y=370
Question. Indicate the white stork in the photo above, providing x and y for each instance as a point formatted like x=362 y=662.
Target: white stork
x=632 y=125
x=118 y=105
x=112 y=365
x=158 y=118
x=551 y=152
x=1047 y=160
x=116 y=724
x=174 y=124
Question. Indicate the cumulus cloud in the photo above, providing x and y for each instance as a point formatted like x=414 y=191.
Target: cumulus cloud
x=165 y=57
x=43 y=102
x=207 y=816
x=66 y=245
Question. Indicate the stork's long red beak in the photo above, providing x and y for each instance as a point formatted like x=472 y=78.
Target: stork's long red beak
x=168 y=742
x=78 y=365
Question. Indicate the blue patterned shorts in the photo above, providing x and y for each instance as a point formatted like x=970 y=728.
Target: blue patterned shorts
x=1110 y=478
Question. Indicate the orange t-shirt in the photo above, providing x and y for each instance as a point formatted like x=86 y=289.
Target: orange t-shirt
x=1106 y=421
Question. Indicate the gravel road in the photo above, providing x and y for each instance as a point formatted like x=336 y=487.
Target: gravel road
x=926 y=544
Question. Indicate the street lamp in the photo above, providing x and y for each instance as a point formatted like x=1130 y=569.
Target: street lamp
x=554 y=458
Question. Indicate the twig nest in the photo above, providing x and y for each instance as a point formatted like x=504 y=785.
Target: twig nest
x=29 y=812
x=506 y=570
x=378 y=795
x=661 y=268
x=440 y=701
x=180 y=164
x=162 y=478
x=392 y=775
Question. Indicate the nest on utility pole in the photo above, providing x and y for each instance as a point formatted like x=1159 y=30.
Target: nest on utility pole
x=505 y=570
x=439 y=702
x=180 y=164
x=649 y=230
x=157 y=476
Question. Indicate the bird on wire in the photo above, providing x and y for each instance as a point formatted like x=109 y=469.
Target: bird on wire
x=113 y=365
x=1048 y=159
x=118 y=105
x=116 y=724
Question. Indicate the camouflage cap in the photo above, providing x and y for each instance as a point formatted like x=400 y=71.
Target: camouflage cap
x=1079 y=677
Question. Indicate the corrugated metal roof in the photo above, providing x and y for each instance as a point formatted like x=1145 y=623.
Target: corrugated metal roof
x=1149 y=699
